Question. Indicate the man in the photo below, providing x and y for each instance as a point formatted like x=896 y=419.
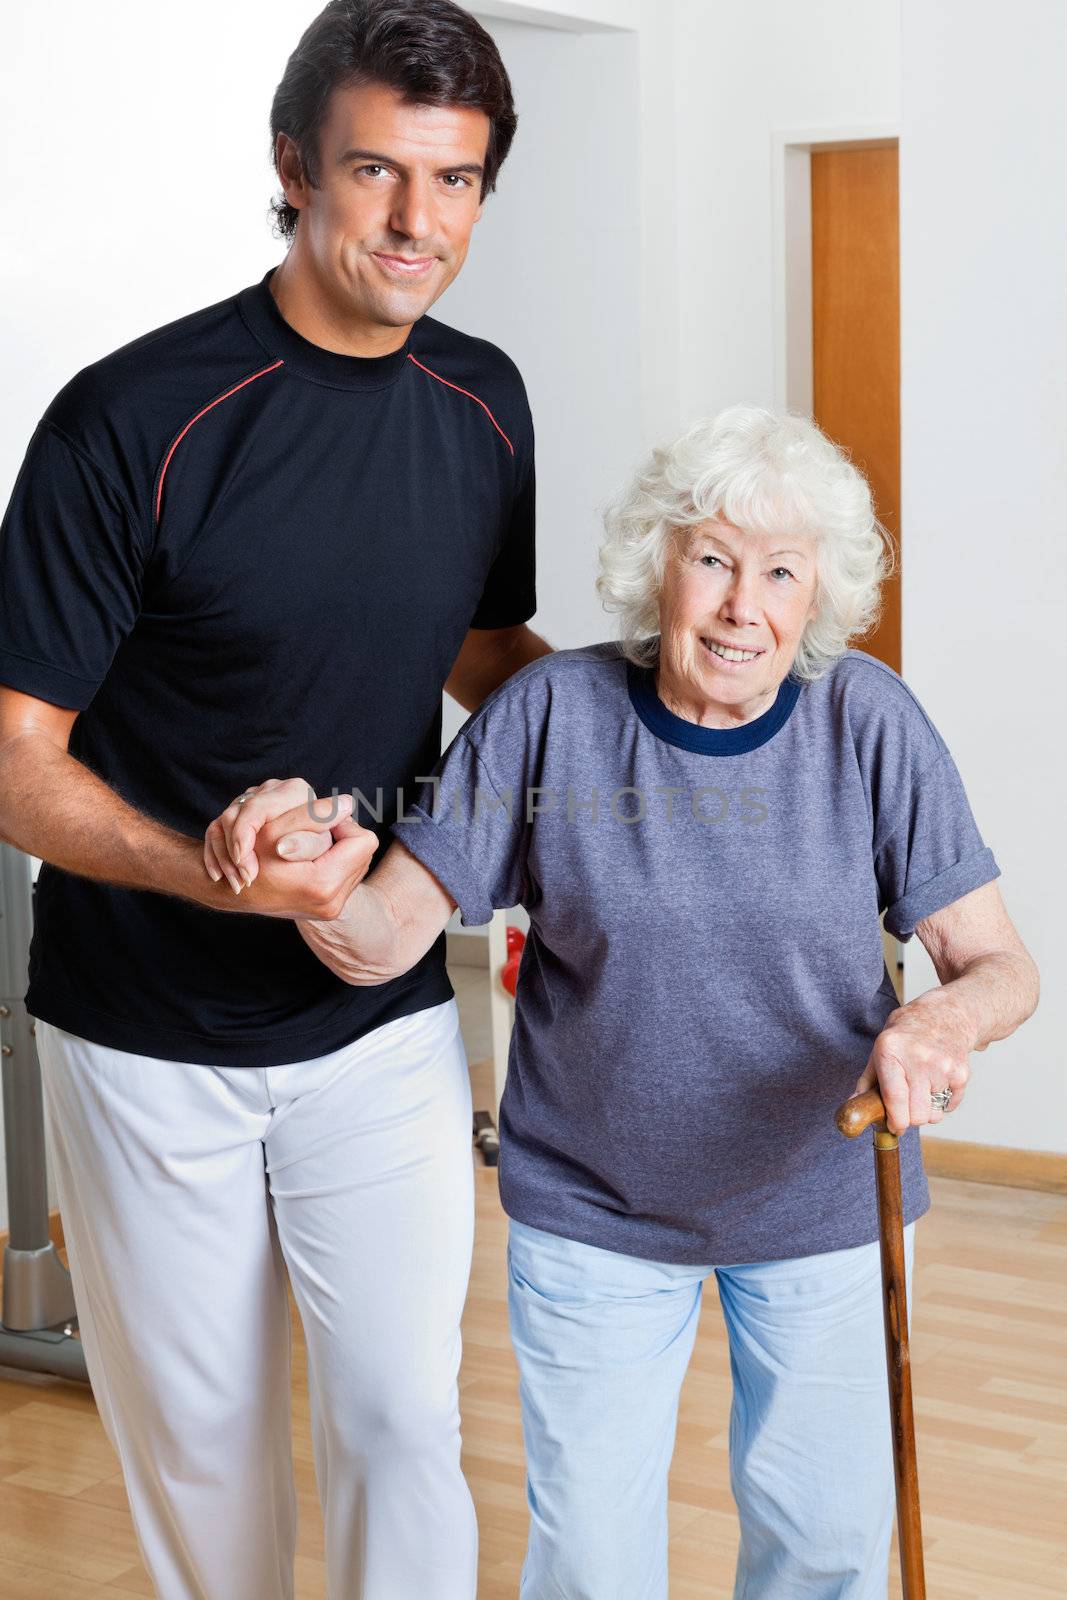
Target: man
x=261 y=540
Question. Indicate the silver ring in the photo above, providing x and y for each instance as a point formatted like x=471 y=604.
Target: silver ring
x=241 y=798
x=941 y=1099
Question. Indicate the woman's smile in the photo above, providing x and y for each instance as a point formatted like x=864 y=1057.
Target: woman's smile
x=731 y=658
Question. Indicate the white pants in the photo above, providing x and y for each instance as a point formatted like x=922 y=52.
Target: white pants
x=188 y=1192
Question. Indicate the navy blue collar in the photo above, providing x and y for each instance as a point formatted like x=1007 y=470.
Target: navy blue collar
x=687 y=735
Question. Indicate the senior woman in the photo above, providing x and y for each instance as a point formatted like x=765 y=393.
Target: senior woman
x=704 y=821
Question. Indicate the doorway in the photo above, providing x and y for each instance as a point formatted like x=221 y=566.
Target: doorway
x=837 y=313
x=855 y=282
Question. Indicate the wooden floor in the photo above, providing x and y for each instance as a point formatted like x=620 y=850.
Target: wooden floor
x=989 y=1345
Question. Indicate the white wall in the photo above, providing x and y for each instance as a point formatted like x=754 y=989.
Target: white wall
x=136 y=181
x=984 y=401
x=554 y=277
x=744 y=73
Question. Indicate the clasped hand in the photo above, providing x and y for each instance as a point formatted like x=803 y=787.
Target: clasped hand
x=305 y=855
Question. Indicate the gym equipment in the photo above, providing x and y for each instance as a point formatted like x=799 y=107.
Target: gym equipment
x=486 y=1138
x=509 y=973
x=853 y=1118
x=38 y=1323
x=503 y=966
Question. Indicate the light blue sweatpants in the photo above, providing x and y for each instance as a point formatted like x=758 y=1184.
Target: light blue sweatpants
x=603 y=1341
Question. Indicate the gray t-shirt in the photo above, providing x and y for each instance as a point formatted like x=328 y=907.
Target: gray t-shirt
x=704 y=975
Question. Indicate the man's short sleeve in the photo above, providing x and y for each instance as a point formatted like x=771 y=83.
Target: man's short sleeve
x=71 y=566
x=469 y=831
x=509 y=595
x=934 y=855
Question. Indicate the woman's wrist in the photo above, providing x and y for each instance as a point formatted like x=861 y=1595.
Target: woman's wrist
x=988 y=999
x=947 y=1007
x=361 y=946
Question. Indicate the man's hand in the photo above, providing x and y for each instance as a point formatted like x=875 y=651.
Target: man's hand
x=925 y=1046
x=304 y=856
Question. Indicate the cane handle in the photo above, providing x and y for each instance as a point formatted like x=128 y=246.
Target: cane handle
x=860 y=1113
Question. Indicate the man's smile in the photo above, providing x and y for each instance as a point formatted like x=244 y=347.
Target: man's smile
x=404 y=266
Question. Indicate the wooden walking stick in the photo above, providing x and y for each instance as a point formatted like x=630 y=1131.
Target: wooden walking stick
x=853 y=1118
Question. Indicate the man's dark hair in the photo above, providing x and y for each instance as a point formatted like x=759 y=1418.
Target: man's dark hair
x=432 y=52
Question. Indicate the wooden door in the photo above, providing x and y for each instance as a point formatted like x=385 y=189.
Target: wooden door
x=856 y=335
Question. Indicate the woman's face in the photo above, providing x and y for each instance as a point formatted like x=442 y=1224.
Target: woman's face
x=725 y=590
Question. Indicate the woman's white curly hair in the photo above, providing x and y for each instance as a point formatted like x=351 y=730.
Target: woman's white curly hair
x=764 y=471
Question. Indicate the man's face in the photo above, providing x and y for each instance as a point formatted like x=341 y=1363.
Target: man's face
x=399 y=193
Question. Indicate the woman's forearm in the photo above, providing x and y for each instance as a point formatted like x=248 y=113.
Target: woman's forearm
x=362 y=945
x=389 y=922
x=992 y=996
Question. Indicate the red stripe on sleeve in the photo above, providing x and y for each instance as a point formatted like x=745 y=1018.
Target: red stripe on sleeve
x=202 y=413
x=470 y=396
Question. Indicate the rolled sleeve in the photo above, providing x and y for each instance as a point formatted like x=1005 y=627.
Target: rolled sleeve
x=428 y=843
x=463 y=829
x=935 y=855
x=902 y=918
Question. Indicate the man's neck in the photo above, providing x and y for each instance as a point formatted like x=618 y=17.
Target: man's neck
x=307 y=307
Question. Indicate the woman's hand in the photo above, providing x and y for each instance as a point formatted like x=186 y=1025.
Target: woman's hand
x=925 y=1046
x=281 y=835
x=989 y=985
x=230 y=841
x=307 y=854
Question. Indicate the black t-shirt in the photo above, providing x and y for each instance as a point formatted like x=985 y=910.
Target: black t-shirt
x=241 y=556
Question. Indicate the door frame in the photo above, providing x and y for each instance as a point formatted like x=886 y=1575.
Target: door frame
x=791 y=248
x=567 y=16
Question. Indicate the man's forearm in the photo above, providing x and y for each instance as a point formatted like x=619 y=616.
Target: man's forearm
x=527 y=646
x=992 y=997
x=53 y=807
x=484 y=664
